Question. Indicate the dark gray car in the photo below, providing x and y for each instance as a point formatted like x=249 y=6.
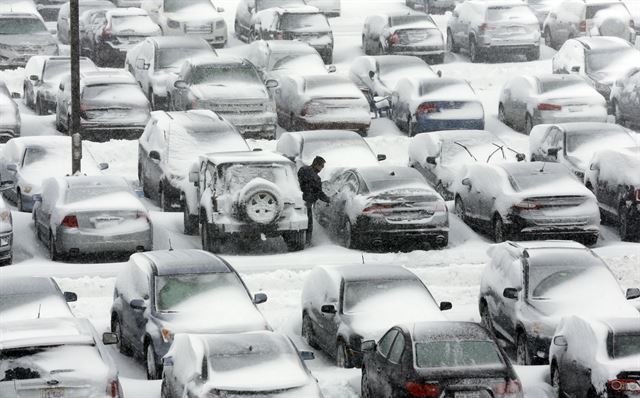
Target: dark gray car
x=625 y=98
x=161 y=293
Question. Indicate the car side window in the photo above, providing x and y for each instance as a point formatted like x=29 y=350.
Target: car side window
x=351 y=184
x=202 y=175
x=397 y=349
x=386 y=341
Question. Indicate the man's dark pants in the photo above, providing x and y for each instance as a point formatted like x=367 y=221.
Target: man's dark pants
x=310 y=221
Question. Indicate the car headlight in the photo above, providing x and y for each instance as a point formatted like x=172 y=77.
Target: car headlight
x=27 y=189
x=5 y=216
x=5 y=241
x=173 y=24
x=167 y=335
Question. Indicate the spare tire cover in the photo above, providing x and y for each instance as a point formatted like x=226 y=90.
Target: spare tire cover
x=609 y=24
x=261 y=201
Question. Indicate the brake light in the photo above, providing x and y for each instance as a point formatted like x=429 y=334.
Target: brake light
x=508 y=389
x=112 y=389
x=583 y=26
x=486 y=26
x=526 y=206
x=376 y=208
x=549 y=107
x=624 y=385
x=638 y=195
x=106 y=32
x=422 y=390
x=428 y=107
x=394 y=39
x=70 y=222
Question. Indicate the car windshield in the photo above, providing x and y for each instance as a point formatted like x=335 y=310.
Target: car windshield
x=196 y=292
x=458 y=353
x=307 y=63
x=522 y=180
x=558 y=84
x=385 y=296
x=77 y=194
x=177 y=5
x=172 y=58
x=221 y=76
x=33 y=155
x=507 y=13
x=129 y=23
x=612 y=60
x=408 y=19
x=236 y=176
x=21 y=26
x=295 y=21
x=626 y=345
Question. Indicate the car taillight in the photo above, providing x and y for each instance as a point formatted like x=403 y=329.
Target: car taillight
x=638 y=195
x=394 y=39
x=376 y=208
x=427 y=107
x=422 y=390
x=70 y=222
x=583 y=26
x=512 y=388
x=526 y=206
x=113 y=389
x=621 y=385
x=549 y=107
x=486 y=26
x=310 y=108
x=279 y=36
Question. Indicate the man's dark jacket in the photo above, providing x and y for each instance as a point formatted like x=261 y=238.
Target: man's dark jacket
x=311 y=185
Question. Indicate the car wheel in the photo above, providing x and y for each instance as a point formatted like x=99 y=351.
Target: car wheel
x=548 y=41
x=499 y=232
x=116 y=328
x=346 y=236
x=410 y=127
x=19 y=203
x=151 y=362
x=210 y=242
x=59 y=126
x=342 y=359
x=365 y=391
x=623 y=224
x=364 y=46
x=53 y=250
x=474 y=51
x=485 y=317
x=523 y=354
x=295 y=240
x=165 y=204
x=190 y=222
x=307 y=331
x=528 y=124
x=555 y=382
x=459 y=208
x=501 y=116
x=590 y=240
x=380 y=49
x=451 y=45
x=253 y=36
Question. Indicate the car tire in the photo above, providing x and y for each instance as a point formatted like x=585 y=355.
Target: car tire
x=485 y=317
x=590 y=240
x=190 y=222
x=59 y=126
x=528 y=124
x=39 y=110
x=253 y=36
x=624 y=230
x=410 y=127
x=19 y=203
x=617 y=112
x=474 y=51
x=365 y=391
x=556 y=384
x=307 y=331
x=342 y=357
x=451 y=45
x=116 y=327
x=548 y=40
x=346 y=235
x=53 y=250
x=523 y=354
x=501 y=116
x=151 y=362
x=295 y=240
x=459 y=208
x=533 y=54
x=364 y=46
x=210 y=242
x=499 y=230
x=165 y=205
x=380 y=49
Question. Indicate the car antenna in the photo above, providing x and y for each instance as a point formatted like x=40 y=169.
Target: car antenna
x=39 y=308
x=466 y=149
x=542 y=168
x=170 y=246
x=362 y=255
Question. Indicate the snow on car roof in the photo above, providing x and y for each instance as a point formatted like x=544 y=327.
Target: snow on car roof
x=204 y=60
x=49 y=142
x=606 y=43
x=330 y=86
x=621 y=325
x=363 y=272
x=180 y=42
x=289 y=46
x=459 y=135
x=589 y=127
x=619 y=165
x=295 y=9
x=378 y=172
x=245 y=157
x=130 y=11
x=327 y=135
x=532 y=168
x=400 y=60
x=107 y=76
x=447 y=330
x=178 y=262
x=20 y=285
x=93 y=181
x=45 y=331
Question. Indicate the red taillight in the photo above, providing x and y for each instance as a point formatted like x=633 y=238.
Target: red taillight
x=394 y=39
x=549 y=107
x=106 y=32
x=583 y=26
x=113 y=389
x=422 y=390
x=428 y=107
x=70 y=222
x=638 y=195
x=526 y=206
x=624 y=385
x=486 y=26
x=376 y=208
x=511 y=387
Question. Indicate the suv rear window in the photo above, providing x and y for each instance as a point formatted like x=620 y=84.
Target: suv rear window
x=507 y=13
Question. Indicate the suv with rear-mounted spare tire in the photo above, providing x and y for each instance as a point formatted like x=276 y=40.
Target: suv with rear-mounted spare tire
x=244 y=196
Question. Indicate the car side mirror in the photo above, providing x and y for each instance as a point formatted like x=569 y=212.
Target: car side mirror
x=575 y=69
x=633 y=293
x=154 y=155
x=69 y=297
x=15 y=95
x=271 y=83
x=510 y=293
x=12 y=167
x=445 y=306
x=328 y=309
x=103 y=166
x=34 y=78
x=109 y=338
x=381 y=157
x=431 y=160
x=560 y=341
x=371 y=74
x=593 y=167
x=181 y=84
x=137 y=304
x=331 y=68
x=140 y=64
x=259 y=298
x=167 y=361
x=466 y=182
x=368 y=346
x=307 y=355
x=553 y=152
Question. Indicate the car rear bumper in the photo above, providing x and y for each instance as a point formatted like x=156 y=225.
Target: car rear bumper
x=322 y=123
x=253 y=124
x=105 y=131
x=294 y=221
x=374 y=231
x=529 y=228
x=425 y=124
x=74 y=241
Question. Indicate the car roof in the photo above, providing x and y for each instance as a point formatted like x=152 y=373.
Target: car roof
x=180 y=262
x=244 y=343
x=107 y=76
x=326 y=135
x=11 y=14
x=45 y=331
x=126 y=11
x=447 y=330
x=370 y=173
x=295 y=9
x=588 y=127
x=363 y=272
x=20 y=285
x=179 y=41
x=395 y=59
x=50 y=142
x=245 y=157
x=455 y=135
x=596 y=43
x=197 y=119
x=94 y=181
x=214 y=60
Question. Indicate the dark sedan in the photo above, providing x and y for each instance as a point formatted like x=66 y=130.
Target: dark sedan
x=378 y=206
x=437 y=359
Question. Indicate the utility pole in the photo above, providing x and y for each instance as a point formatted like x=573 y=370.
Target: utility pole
x=74 y=128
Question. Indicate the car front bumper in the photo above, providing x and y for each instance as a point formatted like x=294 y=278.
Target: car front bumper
x=6 y=246
x=76 y=241
x=378 y=231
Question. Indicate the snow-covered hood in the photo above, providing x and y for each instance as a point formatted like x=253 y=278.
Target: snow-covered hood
x=26 y=40
x=214 y=92
x=372 y=326
x=557 y=309
x=195 y=13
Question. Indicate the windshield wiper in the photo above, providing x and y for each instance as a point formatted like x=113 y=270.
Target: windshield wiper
x=466 y=149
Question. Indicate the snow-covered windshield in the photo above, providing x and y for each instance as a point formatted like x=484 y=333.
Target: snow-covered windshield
x=295 y=21
x=36 y=362
x=236 y=176
x=446 y=86
x=81 y=193
x=177 y=5
x=113 y=94
x=522 y=180
x=612 y=61
x=558 y=84
x=384 y=185
x=54 y=69
x=459 y=353
x=172 y=58
x=178 y=293
x=408 y=19
x=626 y=345
x=507 y=13
x=225 y=75
x=309 y=64
x=385 y=296
x=34 y=154
x=21 y=26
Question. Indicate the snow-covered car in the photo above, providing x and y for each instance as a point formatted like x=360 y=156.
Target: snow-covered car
x=600 y=60
x=6 y=234
x=91 y=21
x=156 y=61
x=169 y=144
x=573 y=144
x=321 y=102
x=56 y=357
x=420 y=104
x=10 y=120
x=127 y=3
x=541 y=8
x=377 y=76
x=247 y=10
x=490 y=29
x=381 y=207
x=63 y=25
x=438 y=359
x=121 y=29
x=330 y=8
x=273 y=58
x=342 y=306
x=576 y=18
x=28 y=161
x=526 y=101
x=596 y=357
x=613 y=177
x=403 y=33
x=232 y=88
x=306 y=24
x=98 y=215
x=634 y=9
x=42 y=76
x=528 y=287
x=159 y=294
x=242 y=196
x=49 y=9
x=339 y=148
x=199 y=18
x=526 y=200
x=625 y=98
x=439 y=155
x=23 y=35
x=23 y=296
x=265 y=364
x=432 y=6
x=112 y=105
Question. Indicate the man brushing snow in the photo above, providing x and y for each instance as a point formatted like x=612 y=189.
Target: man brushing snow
x=311 y=187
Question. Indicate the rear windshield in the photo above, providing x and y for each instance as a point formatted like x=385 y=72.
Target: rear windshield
x=222 y=75
x=85 y=193
x=617 y=8
x=626 y=345
x=383 y=185
x=522 y=180
x=452 y=354
x=551 y=85
x=112 y=92
x=21 y=26
x=296 y=21
x=506 y=13
x=407 y=19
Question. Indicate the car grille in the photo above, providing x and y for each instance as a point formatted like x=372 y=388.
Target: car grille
x=561 y=221
x=237 y=107
x=198 y=29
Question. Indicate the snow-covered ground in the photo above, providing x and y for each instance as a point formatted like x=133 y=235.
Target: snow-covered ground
x=452 y=274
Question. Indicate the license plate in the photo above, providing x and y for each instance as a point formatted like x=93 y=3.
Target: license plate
x=417 y=36
x=575 y=108
x=53 y=393
x=467 y=394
